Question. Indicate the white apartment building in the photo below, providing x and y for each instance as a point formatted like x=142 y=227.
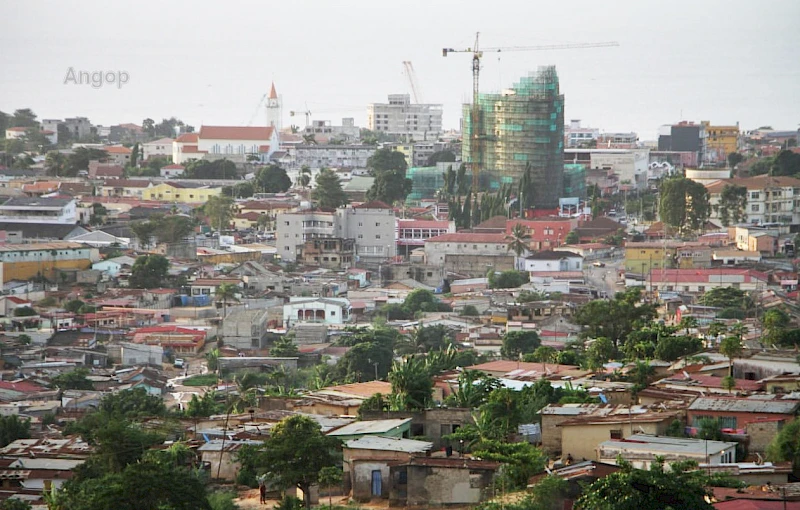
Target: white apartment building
x=400 y=117
x=160 y=147
x=324 y=129
x=629 y=165
x=237 y=140
x=333 y=156
x=769 y=199
x=61 y=211
x=372 y=226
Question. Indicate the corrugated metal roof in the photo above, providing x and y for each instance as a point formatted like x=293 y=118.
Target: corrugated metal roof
x=743 y=405
x=369 y=427
x=392 y=444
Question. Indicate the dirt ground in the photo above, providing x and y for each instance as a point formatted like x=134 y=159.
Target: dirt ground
x=249 y=500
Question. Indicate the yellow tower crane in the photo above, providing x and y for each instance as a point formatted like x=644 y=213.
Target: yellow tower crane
x=477 y=53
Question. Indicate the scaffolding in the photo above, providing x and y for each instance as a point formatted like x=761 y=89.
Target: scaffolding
x=519 y=127
x=574 y=180
x=427 y=180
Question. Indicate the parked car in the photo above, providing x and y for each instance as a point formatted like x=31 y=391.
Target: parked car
x=178 y=363
x=599 y=264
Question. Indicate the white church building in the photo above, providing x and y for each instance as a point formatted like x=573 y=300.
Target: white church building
x=235 y=142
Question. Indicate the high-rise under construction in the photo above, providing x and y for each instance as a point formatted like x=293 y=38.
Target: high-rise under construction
x=521 y=126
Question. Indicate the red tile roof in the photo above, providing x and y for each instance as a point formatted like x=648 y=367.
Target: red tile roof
x=22 y=386
x=235 y=132
x=188 y=138
x=173 y=167
x=117 y=149
x=468 y=237
x=754 y=183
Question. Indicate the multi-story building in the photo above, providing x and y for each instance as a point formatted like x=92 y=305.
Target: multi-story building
x=412 y=234
x=720 y=141
x=160 y=147
x=79 y=128
x=577 y=136
x=371 y=226
x=333 y=156
x=684 y=137
x=118 y=155
x=400 y=117
x=629 y=165
x=184 y=148
x=617 y=141
x=519 y=128
x=61 y=211
x=328 y=252
x=642 y=257
x=325 y=130
x=124 y=187
x=469 y=253
x=769 y=199
x=545 y=233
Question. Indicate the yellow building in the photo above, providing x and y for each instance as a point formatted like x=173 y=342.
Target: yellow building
x=181 y=192
x=641 y=257
x=721 y=140
x=26 y=261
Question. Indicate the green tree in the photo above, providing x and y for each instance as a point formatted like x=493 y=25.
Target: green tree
x=273 y=179
x=220 y=211
x=225 y=293
x=510 y=279
x=731 y=347
x=684 y=204
x=144 y=231
x=470 y=311
x=13 y=428
x=670 y=347
x=328 y=193
x=785 y=447
x=284 y=347
x=521 y=460
x=473 y=389
x=293 y=456
x=518 y=239
x=412 y=386
x=572 y=237
x=616 y=318
x=775 y=322
x=390 y=186
x=55 y=163
x=732 y=204
x=23 y=117
x=364 y=361
x=223 y=500
x=734 y=158
x=330 y=477
x=516 y=343
x=149 y=271
x=729 y=383
x=304 y=179
x=132 y=404
x=13 y=503
x=383 y=160
x=599 y=352
x=427 y=339
x=75 y=379
x=655 y=489
x=79 y=160
x=74 y=305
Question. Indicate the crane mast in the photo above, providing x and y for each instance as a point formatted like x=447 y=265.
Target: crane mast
x=477 y=136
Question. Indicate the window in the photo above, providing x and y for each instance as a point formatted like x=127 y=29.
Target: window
x=616 y=433
x=360 y=224
x=333 y=313
x=377 y=236
x=360 y=236
x=754 y=195
x=377 y=223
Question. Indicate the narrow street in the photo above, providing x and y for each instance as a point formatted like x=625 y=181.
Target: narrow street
x=604 y=279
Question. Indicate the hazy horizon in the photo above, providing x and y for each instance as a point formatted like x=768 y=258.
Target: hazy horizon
x=211 y=63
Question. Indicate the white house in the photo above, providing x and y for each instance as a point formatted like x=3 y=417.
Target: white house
x=545 y=261
x=641 y=450
x=160 y=147
x=62 y=211
x=114 y=266
x=184 y=148
x=315 y=309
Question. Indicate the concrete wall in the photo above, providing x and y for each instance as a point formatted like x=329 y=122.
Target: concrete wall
x=435 y=423
x=476 y=266
x=436 y=486
x=761 y=434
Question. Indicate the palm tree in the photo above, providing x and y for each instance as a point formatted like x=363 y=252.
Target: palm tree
x=305 y=176
x=412 y=385
x=731 y=347
x=226 y=292
x=518 y=239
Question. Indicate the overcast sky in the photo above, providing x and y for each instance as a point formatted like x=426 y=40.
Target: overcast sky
x=211 y=62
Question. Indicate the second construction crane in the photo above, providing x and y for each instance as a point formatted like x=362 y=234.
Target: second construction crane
x=478 y=136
